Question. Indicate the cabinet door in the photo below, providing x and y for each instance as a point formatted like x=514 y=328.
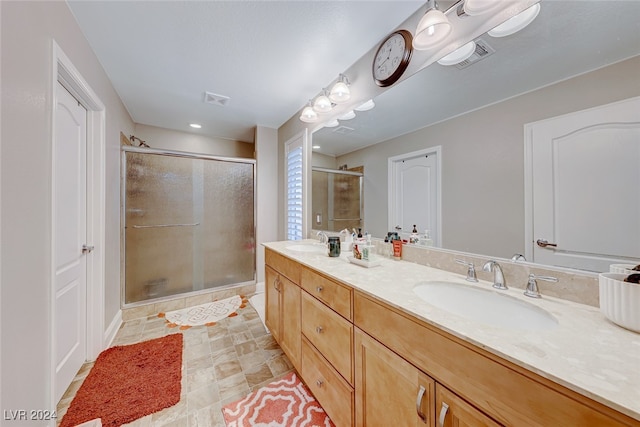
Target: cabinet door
x=389 y=390
x=272 y=308
x=290 y=320
x=455 y=412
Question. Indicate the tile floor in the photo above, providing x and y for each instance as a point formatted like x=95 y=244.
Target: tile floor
x=220 y=364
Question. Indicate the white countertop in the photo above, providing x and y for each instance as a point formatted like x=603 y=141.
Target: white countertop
x=585 y=353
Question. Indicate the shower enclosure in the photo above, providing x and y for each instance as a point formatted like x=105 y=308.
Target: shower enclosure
x=337 y=201
x=188 y=223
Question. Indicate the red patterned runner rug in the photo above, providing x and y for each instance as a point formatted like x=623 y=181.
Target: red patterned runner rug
x=129 y=382
x=286 y=402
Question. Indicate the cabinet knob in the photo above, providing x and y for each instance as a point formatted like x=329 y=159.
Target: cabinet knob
x=319 y=289
x=319 y=383
x=319 y=329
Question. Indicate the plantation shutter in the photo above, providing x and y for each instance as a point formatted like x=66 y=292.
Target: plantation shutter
x=294 y=190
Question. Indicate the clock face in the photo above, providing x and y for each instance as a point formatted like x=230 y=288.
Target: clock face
x=392 y=58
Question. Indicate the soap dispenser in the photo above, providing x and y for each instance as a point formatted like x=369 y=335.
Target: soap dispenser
x=414 y=238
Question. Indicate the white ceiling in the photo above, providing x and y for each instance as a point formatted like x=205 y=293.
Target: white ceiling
x=269 y=57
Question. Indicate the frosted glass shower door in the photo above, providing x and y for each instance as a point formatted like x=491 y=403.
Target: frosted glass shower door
x=189 y=224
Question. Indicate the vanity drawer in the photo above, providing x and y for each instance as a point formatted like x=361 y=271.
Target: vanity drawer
x=330 y=333
x=283 y=265
x=335 y=395
x=335 y=295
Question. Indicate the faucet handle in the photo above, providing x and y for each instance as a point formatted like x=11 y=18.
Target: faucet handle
x=471 y=272
x=532 y=286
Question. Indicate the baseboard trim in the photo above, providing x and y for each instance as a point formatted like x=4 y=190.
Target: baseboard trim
x=112 y=330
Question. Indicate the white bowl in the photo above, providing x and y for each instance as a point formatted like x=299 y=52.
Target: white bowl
x=622 y=268
x=620 y=301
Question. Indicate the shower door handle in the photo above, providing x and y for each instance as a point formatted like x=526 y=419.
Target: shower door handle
x=167 y=225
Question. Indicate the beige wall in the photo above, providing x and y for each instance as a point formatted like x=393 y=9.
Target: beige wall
x=167 y=139
x=483 y=160
x=27 y=30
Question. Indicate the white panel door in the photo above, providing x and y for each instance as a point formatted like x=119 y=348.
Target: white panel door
x=586 y=187
x=414 y=197
x=69 y=234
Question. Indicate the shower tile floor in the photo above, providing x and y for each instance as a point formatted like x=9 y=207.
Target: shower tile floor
x=220 y=364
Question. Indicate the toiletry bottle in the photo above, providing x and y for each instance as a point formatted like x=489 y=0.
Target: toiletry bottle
x=426 y=239
x=414 y=235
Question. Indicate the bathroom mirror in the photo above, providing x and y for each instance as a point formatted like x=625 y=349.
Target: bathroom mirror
x=576 y=55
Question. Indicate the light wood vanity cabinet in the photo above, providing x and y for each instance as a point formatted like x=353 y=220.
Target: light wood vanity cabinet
x=371 y=364
x=283 y=305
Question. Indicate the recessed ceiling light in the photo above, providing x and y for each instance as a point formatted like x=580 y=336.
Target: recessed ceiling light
x=366 y=106
x=316 y=147
x=459 y=55
x=195 y=125
x=347 y=116
x=516 y=23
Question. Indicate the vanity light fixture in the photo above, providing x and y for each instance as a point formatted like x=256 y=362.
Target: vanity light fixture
x=340 y=91
x=516 y=23
x=308 y=114
x=322 y=104
x=433 y=27
x=348 y=115
x=478 y=7
x=459 y=55
x=331 y=124
x=195 y=125
x=366 y=106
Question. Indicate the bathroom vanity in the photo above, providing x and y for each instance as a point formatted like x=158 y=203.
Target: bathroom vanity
x=375 y=353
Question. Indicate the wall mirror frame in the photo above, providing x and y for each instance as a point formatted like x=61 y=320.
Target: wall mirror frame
x=576 y=55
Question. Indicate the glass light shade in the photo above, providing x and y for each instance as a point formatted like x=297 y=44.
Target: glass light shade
x=308 y=115
x=478 y=7
x=366 y=106
x=459 y=55
x=516 y=23
x=347 y=116
x=340 y=92
x=322 y=104
x=333 y=123
x=432 y=29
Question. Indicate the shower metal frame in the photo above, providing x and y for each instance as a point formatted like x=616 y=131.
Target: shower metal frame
x=344 y=172
x=123 y=209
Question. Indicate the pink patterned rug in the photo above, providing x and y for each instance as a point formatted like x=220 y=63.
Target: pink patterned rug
x=286 y=402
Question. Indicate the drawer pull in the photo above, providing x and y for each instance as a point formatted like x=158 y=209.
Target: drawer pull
x=319 y=383
x=421 y=392
x=443 y=414
x=276 y=283
x=319 y=289
x=319 y=329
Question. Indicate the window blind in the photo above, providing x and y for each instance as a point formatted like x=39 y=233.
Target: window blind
x=294 y=193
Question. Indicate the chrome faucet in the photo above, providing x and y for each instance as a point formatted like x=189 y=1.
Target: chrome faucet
x=532 y=286
x=471 y=271
x=322 y=236
x=498 y=277
x=518 y=257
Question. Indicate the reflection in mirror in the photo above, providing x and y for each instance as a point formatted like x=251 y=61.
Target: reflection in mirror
x=575 y=56
x=337 y=198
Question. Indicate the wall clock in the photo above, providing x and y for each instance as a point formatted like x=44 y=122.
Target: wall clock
x=392 y=58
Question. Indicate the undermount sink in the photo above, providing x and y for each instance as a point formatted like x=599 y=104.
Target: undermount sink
x=485 y=306
x=309 y=247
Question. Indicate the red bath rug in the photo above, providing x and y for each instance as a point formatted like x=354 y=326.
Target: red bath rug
x=129 y=382
x=286 y=402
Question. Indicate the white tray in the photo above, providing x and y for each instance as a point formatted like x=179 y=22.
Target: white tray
x=362 y=262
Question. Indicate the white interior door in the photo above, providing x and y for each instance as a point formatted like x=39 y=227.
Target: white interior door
x=585 y=185
x=69 y=234
x=414 y=188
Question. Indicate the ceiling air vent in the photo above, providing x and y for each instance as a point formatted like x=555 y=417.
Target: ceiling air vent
x=215 y=99
x=343 y=130
x=482 y=51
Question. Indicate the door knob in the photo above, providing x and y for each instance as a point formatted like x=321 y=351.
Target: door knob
x=543 y=243
x=87 y=249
